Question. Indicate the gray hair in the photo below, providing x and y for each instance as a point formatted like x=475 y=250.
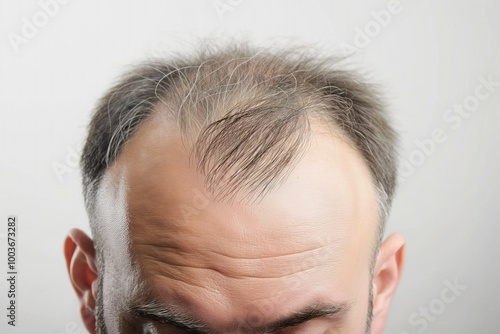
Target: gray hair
x=246 y=114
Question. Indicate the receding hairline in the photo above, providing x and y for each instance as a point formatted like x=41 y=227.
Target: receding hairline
x=342 y=92
x=160 y=121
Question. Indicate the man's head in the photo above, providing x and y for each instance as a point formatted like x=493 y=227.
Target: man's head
x=237 y=192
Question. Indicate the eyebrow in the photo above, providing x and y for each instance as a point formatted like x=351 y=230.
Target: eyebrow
x=307 y=314
x=159 y=313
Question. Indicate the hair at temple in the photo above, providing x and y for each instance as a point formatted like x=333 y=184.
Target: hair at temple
x=246 y=115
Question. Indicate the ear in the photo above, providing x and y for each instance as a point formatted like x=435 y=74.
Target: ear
x=81 y=264
x=386 y=277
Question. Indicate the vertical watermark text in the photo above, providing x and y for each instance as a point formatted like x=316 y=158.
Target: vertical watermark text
x=12 y=235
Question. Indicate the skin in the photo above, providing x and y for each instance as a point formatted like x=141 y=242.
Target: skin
x=236 y=267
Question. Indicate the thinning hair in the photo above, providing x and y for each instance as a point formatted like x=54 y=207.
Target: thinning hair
x=246 y=114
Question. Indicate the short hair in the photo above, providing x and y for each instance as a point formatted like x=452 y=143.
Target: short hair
x=246 y=113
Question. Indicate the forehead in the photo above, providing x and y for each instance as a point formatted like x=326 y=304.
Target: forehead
x=322 y=219
x=330 y=187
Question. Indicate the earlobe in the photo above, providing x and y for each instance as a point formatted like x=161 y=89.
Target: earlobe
x=386 y=277
x=80 y=258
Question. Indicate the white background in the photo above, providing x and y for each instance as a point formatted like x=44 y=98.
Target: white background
x=429 y=56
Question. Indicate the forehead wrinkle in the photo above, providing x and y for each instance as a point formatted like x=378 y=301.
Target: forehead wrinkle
x=175 y=246
x=286 y=254
x=250 y=237
x=170 y=269
x=170 y=257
